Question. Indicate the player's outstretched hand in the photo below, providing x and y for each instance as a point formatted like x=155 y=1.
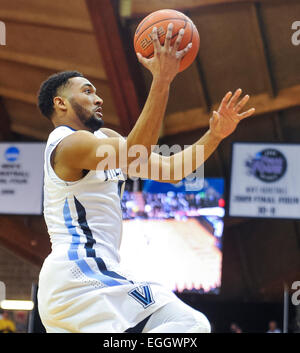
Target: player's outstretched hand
x=225 y=120
x=166 y=60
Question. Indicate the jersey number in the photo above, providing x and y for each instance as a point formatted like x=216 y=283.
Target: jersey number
x=143 y=295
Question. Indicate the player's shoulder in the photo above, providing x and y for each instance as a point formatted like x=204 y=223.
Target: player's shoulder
x=76 y=143
x=110 y=133
x=66 y=132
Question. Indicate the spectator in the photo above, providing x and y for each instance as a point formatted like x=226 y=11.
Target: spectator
x=21 y=321
x=6 y=324
x=273 y=327
x=235 y=328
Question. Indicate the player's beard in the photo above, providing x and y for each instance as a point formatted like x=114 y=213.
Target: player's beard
x=91 y=121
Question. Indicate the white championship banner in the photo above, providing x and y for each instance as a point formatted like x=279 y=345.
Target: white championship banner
x=265 y=180
x=21 y=177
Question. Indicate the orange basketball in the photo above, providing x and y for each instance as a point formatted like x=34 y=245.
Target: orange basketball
x=160 y=19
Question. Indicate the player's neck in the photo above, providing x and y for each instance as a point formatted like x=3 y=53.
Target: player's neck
x=74 y=125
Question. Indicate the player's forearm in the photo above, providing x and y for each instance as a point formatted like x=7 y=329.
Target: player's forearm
x=187 y=161
x=147 y=128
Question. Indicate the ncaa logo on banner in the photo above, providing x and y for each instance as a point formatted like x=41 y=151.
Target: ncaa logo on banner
x=268 y=165
x=12 y=154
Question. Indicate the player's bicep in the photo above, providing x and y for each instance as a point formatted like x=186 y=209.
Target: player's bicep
x=83 y=150
x=157 y=167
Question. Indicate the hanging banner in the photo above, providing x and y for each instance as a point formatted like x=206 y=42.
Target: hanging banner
x=21 y=177
x=265 y=180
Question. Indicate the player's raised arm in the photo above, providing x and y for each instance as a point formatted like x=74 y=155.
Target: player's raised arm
x=221 y=124
x=82 y=150
x=179 y=165
x=164 y=66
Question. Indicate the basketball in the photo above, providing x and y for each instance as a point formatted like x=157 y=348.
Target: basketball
x=160 y=19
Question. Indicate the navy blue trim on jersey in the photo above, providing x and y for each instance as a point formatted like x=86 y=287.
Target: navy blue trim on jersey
x=120 y=184
x=139 y=327
x=66 y=126
x=73 y=254
x=102 y=268
x=90 y=252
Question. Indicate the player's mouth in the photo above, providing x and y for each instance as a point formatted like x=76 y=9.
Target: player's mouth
x=98 y=112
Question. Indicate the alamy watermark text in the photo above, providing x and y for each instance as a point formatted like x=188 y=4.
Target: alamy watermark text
x=296 y=35
x=2 y=33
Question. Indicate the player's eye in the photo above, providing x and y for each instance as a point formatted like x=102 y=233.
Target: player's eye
x=87 y=91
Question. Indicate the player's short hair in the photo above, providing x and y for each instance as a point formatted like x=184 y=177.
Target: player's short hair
x=49 y=89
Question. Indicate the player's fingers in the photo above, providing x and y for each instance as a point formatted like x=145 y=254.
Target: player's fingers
x=241 y=103
x=178 y=40
x=234 y=98
x=180 y=54
x=225 y=100
x=141 y=59
x=155 y=41
x=246 y=114
x=169 y=36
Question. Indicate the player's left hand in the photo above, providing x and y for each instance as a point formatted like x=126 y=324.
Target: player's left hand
x=225 y=120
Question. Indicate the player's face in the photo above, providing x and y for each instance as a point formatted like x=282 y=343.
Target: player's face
x=86 y=104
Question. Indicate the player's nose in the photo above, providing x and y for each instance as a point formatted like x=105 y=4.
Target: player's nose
x=98 y=101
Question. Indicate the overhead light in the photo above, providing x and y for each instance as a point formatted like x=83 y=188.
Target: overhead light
x=16 y=304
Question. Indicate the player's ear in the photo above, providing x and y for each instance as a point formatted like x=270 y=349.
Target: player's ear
x=59 y=103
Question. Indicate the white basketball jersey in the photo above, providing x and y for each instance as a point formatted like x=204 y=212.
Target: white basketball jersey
x=81 y=285
x=84 y=217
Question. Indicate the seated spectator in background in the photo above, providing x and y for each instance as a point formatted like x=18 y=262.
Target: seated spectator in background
x=273 y=327
x=20 y=318
x=235 y=328
x=6 y=324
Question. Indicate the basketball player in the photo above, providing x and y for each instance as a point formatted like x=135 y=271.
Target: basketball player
x=81 y=285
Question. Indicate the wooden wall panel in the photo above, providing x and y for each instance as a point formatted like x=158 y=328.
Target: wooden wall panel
x=271 y=253
x=15 y=78
x=186 y=91
x=235 y=282
x=278 y=17
x=229 y=54
x=139 y=7
x=53 y=48
x=25 y=118
x=69 y=14
x=18 y=237
x=5 y=123
x=17 y=274
x=289 y=121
